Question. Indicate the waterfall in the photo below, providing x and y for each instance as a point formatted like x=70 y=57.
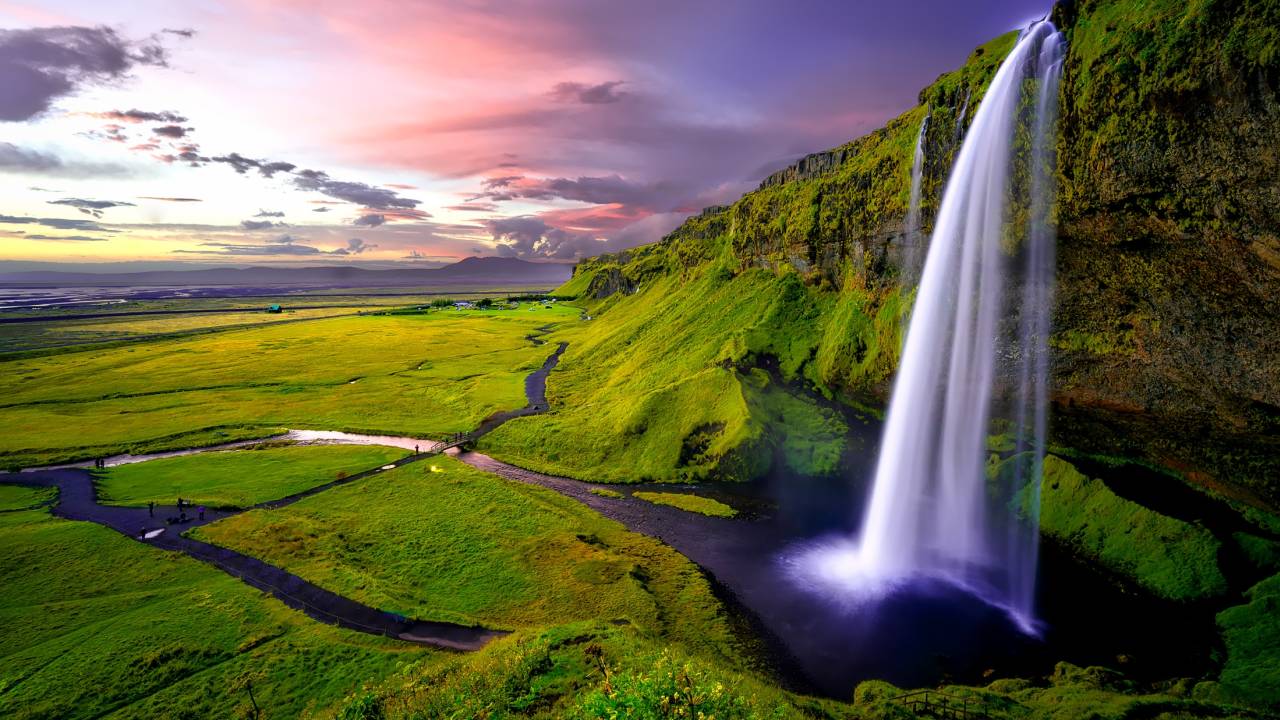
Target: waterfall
x=912 y=238
x=964 y=110
x=1032 y=358
x=932 y=513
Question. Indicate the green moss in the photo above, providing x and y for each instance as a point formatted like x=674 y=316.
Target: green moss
x=606 y=492
x=1173 y=559
x=1263 y=553
x=811 y=437
x=688 y=503
x=1251 y=633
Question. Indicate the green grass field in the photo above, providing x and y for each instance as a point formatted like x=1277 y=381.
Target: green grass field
x=95 y=625
x=688 y=503
x=465 y=546
x=53 y=334
x=654 y=388
x=17 y=497
x=238 y=478
x=425 y=374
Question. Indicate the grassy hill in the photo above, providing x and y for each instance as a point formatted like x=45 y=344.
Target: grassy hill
x=1167 y=324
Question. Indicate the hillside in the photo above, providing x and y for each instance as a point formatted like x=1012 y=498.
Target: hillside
x=1168 y=275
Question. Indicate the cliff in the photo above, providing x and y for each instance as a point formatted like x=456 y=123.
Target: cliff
x=1167 y=328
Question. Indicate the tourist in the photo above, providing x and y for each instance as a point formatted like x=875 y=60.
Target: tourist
x=201 y=511
x=151 y=508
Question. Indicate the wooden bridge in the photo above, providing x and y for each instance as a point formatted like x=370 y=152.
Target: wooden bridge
x=940 y=705
x=453 y=441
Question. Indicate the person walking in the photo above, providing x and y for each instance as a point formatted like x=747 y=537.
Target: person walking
x=151 y=508
x=201 y=512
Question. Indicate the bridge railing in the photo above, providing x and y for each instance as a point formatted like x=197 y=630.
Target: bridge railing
x=941 y=705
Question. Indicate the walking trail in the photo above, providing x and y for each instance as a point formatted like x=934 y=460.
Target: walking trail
x=78 y=500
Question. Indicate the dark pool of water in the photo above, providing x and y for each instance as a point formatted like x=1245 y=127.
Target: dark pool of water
x=927 y=632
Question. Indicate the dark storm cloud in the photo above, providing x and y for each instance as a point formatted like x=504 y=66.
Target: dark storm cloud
x=375 y=198
x=41 y=65
x=91 y=207
x=55 y=223
x=526 y=236
x=171 y=131
x=602 y=94
x=259 y=224
x=139 y=116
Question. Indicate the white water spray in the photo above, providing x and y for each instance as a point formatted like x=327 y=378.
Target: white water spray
x=932 y=512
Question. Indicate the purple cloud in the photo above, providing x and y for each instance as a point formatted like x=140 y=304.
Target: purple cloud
x=91 y=207
x=41 y=65
x=526 y=236
x=171 y=131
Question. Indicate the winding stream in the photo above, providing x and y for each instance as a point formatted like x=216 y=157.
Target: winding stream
x=914 y=637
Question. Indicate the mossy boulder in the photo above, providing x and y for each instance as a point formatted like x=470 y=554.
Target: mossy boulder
x=1174 y=559
x=1251 y=633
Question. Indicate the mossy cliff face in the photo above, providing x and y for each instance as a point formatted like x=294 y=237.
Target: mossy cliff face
x=1167 y=330
x=1168 y=322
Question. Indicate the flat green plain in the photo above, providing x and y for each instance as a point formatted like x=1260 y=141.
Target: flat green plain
x=94 y=625
x=238 y=478
x=425 y=374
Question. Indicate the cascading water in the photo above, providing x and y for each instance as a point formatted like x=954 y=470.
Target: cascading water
x=964 y=110
x=932 y=512
x=913 y=249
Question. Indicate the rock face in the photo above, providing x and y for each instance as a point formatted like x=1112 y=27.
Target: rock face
x=1167 y=329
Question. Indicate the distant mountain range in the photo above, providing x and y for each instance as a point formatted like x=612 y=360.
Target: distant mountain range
x=473 y=271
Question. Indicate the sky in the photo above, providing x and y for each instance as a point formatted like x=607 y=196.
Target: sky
x=381 y=132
